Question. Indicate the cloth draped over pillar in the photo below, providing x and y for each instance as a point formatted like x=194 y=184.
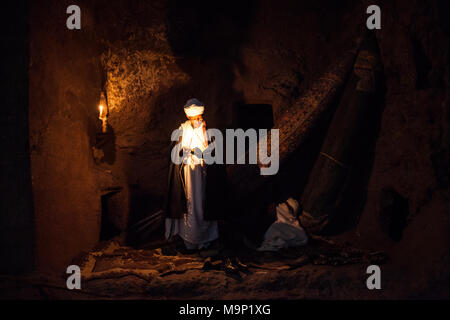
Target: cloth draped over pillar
x=335 y=187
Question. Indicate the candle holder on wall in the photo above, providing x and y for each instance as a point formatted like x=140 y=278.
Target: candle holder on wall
x=103 y=112
x=104 y=150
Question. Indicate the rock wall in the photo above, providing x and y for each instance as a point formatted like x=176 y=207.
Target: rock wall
x=408 y=188
x=150 y=57
x=157 y=55
x=65 y=79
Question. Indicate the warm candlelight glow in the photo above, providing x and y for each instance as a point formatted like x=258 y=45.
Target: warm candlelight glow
x=192 y=140
x=103 y=112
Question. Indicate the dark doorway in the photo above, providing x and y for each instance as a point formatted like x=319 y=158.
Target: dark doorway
x=108 y=228
x=256 y=116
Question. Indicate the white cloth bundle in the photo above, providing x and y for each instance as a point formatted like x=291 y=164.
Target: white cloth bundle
x=286 y=231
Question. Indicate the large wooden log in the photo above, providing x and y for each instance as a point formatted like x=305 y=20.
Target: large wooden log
x=344 y=152
x=297 y=122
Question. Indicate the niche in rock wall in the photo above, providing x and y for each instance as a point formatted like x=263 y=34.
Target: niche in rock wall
x=115 y=212
x=104 y=150
x=394 y=213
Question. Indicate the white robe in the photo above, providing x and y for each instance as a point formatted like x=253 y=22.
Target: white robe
x=192 y=228
x=286 y=231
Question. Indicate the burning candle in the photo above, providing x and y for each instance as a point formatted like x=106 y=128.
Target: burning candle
x=103 y=112
x=102 y=115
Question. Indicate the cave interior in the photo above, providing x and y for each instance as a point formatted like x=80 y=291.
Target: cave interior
x=363 y=118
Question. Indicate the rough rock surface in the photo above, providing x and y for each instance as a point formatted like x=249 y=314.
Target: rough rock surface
x=64 y=92
x=414 y=44
x=149 y=58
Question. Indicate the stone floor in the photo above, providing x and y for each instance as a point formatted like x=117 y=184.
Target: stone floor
x=322 y=269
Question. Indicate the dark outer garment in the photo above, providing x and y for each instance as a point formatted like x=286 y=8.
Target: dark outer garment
x=215 y=199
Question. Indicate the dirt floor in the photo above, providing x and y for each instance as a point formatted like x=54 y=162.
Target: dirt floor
x=324 y=269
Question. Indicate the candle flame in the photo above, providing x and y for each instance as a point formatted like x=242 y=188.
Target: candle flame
x=101 y=111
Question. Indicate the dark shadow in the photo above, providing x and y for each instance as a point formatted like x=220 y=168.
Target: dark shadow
x=208 y=29
x=256 y=116
x=257 y=211
x=17 y=224
x=443 y=14
x=108 y=229
x=206 y=38
x=142 y=206
x=394 y=212
x=422 y=63
x=293 y=175
x=106 y=142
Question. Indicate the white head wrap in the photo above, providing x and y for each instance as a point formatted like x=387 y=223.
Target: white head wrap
x=194 y=110
x=194 y=107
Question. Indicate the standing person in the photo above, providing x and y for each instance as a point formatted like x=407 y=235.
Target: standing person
x=193 y=200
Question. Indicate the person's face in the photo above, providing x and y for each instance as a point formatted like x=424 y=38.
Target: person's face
x=195 y=119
